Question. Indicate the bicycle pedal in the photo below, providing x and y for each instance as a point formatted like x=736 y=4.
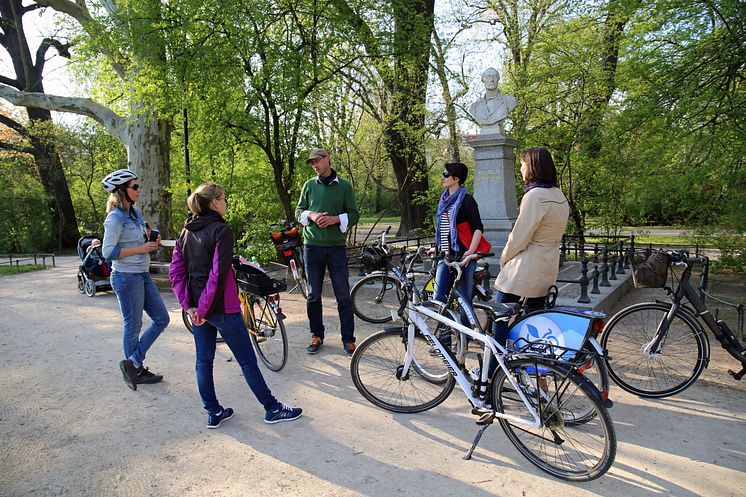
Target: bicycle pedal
x=486 y=419
x=737 y=376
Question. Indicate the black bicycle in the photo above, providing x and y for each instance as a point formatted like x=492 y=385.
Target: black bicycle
x=287 y=240
x=379 y=293
x=657 y=349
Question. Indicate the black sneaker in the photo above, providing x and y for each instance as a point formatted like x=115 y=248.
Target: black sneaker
x=282 y=413
x=144 y=376
x=129 y=373
x=315 y=345
x=215 y=420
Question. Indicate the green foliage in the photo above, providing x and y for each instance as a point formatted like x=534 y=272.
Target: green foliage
x=6 y=270
x=23 y=225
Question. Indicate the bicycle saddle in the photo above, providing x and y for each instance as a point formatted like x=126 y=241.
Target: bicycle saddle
x=498 y=310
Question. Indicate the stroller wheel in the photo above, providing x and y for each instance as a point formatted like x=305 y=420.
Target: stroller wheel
x=90 y=288
x=81 y=284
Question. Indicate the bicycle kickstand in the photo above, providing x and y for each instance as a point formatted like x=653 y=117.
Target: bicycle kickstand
x=485 y=421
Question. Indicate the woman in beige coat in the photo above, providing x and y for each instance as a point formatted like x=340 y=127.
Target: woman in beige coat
x=530 y=259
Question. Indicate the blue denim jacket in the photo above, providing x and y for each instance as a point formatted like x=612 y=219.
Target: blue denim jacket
x=122 y=229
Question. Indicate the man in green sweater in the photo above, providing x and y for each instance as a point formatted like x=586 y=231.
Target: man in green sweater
x=327 y=209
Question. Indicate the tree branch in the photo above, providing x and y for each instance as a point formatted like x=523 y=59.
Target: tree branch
x=114 y=123
x=14 y=125
x=79 y=11
x=16 y=147
x=62 y=49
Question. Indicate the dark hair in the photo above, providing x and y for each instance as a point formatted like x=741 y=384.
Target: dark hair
x=458 y=170
x=539 y=165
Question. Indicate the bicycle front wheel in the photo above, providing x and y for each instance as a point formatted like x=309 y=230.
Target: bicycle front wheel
x=375 y=296
x=570 y=451
x=377 y=372
x=636 y=368
x=268 y=334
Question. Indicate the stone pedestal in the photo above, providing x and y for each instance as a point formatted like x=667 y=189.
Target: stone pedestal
x=494 y=186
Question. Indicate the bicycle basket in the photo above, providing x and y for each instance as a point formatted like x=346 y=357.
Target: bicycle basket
x=373 y=258
x=651 y=273
x=261 y=281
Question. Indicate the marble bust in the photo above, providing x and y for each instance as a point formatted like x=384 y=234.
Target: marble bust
x=493 y=108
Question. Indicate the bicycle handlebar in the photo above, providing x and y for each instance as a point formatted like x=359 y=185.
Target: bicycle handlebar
x=682 y=256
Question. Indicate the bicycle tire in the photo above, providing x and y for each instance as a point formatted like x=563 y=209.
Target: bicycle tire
x=375 y=296
x=567 y=451
x=268 y=334
x=682 y=358
x=301 y=281
x=594 y=368
x=376 y=369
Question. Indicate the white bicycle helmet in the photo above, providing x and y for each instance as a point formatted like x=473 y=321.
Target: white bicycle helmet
x=117 y=178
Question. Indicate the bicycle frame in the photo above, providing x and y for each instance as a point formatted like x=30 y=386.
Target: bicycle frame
x=719 y=328
x=490 y=348
x=414 y=312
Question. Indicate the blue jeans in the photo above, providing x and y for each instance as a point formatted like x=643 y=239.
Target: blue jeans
x=136 y=293
x=500 y=328
x=233 y=330
x=443 y=281
x=317 y=259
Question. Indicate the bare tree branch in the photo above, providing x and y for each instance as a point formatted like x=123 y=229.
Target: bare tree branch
x=115 y=124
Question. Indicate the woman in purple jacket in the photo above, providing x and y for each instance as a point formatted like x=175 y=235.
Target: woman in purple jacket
x=202 y=278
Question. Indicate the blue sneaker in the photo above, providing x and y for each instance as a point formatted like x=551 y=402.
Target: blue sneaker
x=282 y=413
x=215 y=420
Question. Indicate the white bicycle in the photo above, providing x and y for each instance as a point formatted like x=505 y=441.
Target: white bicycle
x=549 y=410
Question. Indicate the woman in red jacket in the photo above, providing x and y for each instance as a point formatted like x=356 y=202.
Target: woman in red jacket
x=201 y=274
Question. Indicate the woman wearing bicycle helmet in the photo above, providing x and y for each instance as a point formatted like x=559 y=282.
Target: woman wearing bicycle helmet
x=126 y=245
x=530 y=260
x=202 y=278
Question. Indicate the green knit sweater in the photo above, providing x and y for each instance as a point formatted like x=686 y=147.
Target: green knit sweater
x=335 y=199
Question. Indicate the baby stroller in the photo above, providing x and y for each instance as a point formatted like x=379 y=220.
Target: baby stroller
x=94 y=270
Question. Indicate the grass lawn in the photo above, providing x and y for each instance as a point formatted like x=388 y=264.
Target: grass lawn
x=23 y=268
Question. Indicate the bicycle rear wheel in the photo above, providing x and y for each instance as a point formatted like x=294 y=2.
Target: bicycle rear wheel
x=299 y=273
x=376 y=370
x=570 y=451
x=670 y=370
x=375 y=296
x=594 y=368
x=268 y=334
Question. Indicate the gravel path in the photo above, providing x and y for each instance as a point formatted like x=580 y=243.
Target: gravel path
x=69 y=425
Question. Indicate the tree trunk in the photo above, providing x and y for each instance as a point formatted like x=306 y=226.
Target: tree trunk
x=28 y=70
x=147 y=141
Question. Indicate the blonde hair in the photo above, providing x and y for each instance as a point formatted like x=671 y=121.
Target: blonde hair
x=199 y=201
x=115 y=200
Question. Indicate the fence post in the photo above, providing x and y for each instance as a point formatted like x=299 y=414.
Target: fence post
x=620 y=263
x=584 y=298
x=626 y=253
x=612 y=273
x=595 y=290
x=563 y=249
x=605 y=270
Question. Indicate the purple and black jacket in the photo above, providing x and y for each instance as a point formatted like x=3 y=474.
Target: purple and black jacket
x=201 y=270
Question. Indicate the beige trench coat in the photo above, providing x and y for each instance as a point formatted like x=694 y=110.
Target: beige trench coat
x=530 y=259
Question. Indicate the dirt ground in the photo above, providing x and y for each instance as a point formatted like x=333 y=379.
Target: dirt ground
x=69 y=425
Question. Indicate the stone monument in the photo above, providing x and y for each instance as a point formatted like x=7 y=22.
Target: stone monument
x=494 y=162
